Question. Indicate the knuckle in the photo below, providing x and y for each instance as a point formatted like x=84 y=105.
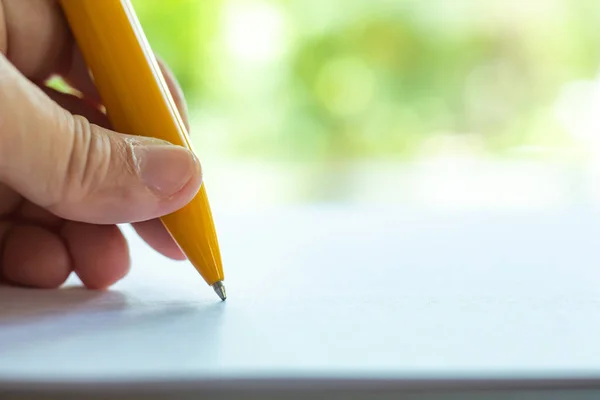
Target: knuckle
x=89 y=161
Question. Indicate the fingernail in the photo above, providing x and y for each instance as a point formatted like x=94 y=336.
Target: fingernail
x=165 y=169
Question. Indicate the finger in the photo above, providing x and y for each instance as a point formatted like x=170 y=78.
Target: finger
x=154 y=233
x=78 y=106
x=35 y=257
x=36 y=36
x=5 y=226
x=39 y=216
x=84 y=172
x=4 y=229
x=76 y=74
x=99 y=252
x=176 y=91
x=10 y=199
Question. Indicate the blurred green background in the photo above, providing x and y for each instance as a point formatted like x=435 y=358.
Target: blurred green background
x=316 y=99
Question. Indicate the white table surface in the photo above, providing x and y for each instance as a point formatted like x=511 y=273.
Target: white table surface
x=331 y=293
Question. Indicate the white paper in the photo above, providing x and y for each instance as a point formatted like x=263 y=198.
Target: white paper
x=331 y=292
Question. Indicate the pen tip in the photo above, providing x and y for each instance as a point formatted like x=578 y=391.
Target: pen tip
x=220 y=290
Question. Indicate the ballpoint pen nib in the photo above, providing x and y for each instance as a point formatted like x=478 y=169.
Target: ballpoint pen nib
x=220 y=290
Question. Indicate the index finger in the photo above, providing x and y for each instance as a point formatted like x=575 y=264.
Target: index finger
x=35 y=37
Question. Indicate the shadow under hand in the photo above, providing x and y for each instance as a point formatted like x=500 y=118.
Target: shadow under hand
x=36 y=319
x=18 y=305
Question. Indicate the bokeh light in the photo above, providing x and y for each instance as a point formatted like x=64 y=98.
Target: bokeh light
x=444 y=103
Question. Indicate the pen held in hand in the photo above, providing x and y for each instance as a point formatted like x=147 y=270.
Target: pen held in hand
x=125 y=70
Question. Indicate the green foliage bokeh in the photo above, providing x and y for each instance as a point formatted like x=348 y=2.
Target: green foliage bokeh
x=378 y=78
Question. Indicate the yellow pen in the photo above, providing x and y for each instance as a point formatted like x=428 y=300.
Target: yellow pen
x=138 y=102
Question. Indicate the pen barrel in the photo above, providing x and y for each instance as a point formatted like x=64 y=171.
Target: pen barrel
x=138 y=102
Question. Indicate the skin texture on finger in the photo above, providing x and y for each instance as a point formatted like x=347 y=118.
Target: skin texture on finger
x=104 y=181
x=99 y=253
x=34 y=257
x=152 y=231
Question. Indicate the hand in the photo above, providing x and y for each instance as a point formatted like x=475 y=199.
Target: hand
x=66 y=179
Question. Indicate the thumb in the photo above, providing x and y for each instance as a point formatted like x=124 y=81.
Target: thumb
x=81 y=171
